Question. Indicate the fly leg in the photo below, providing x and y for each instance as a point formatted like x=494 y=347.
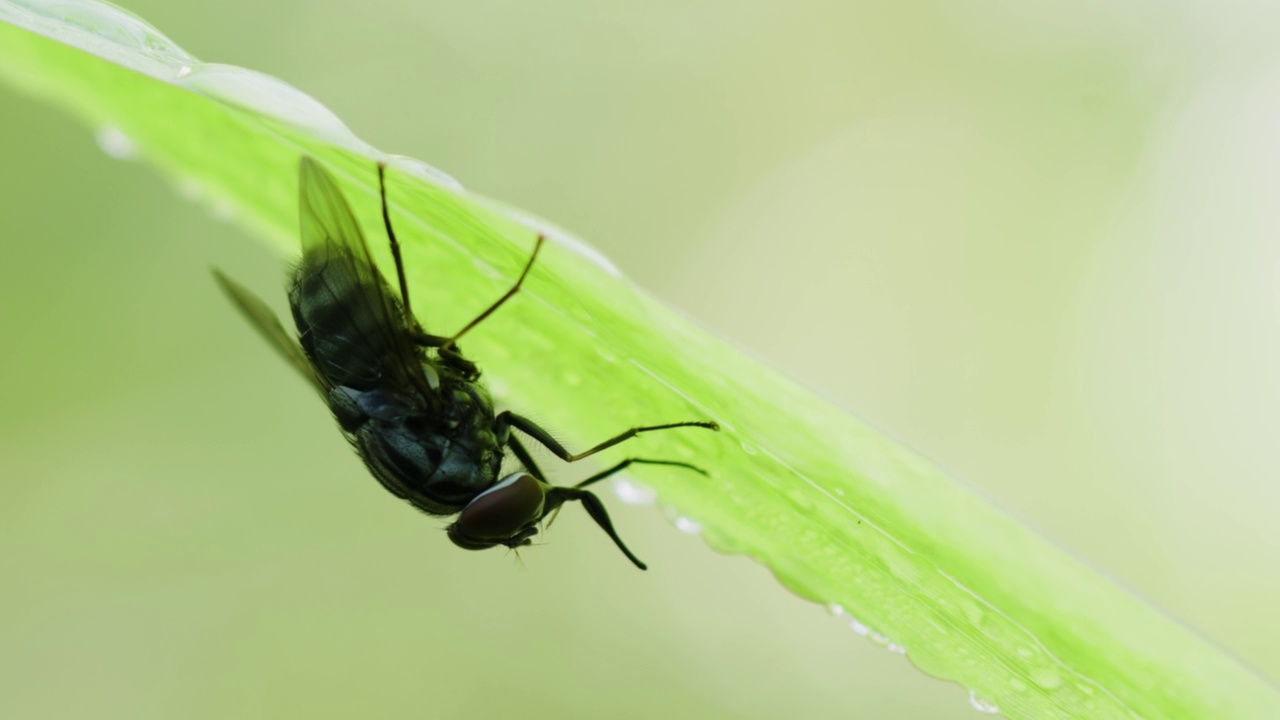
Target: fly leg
x=557 y=496
x=450 y=353
x=533 y=430
x=636 y=461
x=448 y=345
x=518 y=449
x=619 y=468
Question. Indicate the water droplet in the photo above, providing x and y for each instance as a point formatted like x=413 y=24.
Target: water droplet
x=981 y=705
x=1017 y=684
x=1025 y=652
x=800 y=497
x=633 y=493
x=725 y=544
x=108 y=32
x=183 y=71
x=840 y=492
x=858 y=627
x=836 y=609
x=896 y=649
x=190 y=188
x=605 y=355
x=685 y=525
x=748 y=448
x=419 y=169
x=570 y=378
x=274 y=98
x=115 y=143
x=1046 y=677
x=1086 y=689
x=878 y=638
x=222 y=209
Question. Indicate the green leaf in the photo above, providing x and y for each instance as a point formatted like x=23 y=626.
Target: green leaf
x=842 y=515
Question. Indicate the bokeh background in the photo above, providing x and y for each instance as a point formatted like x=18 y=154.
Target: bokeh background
x=1036 y=241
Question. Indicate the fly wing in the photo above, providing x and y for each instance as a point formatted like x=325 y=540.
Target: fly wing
x=327 y=222
x=333 y=244
x=268 y=325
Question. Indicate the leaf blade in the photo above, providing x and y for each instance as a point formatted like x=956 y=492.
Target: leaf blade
x=841 y=514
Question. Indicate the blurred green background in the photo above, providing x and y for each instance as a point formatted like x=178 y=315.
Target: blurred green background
x=1035 y=240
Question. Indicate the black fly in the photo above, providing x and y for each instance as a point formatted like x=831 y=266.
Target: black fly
x=408 y=401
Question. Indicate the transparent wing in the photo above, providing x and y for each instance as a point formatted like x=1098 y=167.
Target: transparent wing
x=330 y=234
x=268 y=326
x=326 y=218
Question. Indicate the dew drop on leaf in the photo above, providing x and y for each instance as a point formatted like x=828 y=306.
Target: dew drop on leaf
x=685 y=525
x=633 y=493
x=981 y=705
x=1046 y=677
x=190 y=188
x=115 y=143
x=270 y=96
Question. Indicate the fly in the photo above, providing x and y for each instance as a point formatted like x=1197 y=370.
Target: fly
x=410 y=402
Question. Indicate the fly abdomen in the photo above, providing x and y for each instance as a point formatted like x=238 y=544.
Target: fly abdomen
x=418 y=467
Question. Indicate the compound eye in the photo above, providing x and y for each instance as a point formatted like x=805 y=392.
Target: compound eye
x=501 y=514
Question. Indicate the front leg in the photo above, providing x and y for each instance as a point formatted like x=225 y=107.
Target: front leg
x=518 y=449
x=449 y=353
x=557 y=496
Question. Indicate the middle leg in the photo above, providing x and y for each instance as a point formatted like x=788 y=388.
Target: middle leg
x=533 y=430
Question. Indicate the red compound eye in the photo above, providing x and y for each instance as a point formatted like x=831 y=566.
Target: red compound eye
x=500 y=515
